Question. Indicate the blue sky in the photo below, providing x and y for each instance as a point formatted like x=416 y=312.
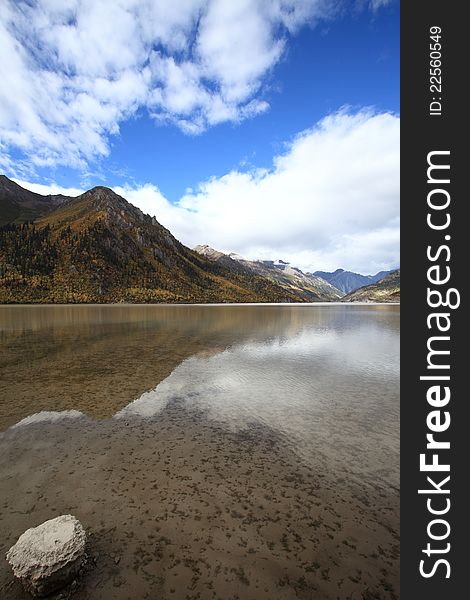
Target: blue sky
x=214 y=105
x=353 y=61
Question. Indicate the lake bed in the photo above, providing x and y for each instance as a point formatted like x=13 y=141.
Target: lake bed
x=210 y=451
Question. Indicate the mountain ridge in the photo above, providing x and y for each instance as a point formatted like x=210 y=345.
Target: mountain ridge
x=386 y=289
x=348 y=281
x=19 y=204
x=310 y=287
x=98 y=247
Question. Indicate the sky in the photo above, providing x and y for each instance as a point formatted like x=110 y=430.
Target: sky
x=269 y=128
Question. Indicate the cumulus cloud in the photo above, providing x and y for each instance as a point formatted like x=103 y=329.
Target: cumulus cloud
x=72 y=71
x=46 y=189
x=330 y=200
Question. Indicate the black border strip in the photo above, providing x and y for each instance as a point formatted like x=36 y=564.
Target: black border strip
x=421 y=133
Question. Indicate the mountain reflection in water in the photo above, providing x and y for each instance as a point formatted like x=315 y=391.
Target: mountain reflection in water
x=260 y=438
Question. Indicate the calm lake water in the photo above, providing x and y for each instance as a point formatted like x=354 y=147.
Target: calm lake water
x=210 y=451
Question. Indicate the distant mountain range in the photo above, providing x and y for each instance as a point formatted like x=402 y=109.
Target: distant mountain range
x=309 y=288
x=347 y=281
x=98 y=247
x=385 y=290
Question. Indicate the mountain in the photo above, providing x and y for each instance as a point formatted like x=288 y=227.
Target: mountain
x=309 y=288
x=220 y=258
x=98 y=247
x=385 y=290
x=347 y=281
x=18 y=205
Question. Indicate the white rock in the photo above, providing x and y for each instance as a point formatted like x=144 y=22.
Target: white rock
x=48 y=557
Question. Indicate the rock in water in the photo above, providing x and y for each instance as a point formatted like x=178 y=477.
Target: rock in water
x=48 y=557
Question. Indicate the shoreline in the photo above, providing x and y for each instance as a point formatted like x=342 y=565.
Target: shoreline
x=217 y=304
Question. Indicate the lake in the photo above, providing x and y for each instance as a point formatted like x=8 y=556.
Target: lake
x=247 y=451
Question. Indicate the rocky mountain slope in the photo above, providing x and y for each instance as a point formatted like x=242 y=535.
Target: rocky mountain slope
x=98 y=247
x=347 y=281
x=309 y=288
x=385 y=290
x=18 y=205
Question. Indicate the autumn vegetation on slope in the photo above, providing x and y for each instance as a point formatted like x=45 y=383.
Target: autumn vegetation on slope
x=100 y=248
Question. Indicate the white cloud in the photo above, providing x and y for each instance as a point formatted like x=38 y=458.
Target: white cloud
x=46 y=189
x=377 y=4
x=331 y=200
x=71 y=72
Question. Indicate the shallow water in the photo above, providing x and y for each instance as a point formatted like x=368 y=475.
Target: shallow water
x=210 y=451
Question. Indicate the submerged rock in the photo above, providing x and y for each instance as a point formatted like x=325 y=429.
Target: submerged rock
x=48 y=557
